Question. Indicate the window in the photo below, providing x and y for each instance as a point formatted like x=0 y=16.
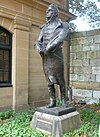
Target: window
x=5 y=57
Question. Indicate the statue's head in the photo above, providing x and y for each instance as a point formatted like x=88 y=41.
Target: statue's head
x=51 y=12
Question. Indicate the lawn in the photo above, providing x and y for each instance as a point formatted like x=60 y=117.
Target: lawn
x=13 y=124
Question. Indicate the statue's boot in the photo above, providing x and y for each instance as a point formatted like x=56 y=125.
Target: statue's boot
x=52 y=103
x=52 y=96
x=63 y=100
x=63 y=97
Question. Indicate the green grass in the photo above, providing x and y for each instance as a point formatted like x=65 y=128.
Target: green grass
x=90 y=125
x=18 y=125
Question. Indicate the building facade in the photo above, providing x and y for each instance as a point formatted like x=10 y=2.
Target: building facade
x=22 y=81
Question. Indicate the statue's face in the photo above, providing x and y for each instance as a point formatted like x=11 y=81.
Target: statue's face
x=49 y=13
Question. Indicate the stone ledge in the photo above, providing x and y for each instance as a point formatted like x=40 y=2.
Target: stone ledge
x=23 y=107
x=5 y=108
x=85 y=85
x=85 y=33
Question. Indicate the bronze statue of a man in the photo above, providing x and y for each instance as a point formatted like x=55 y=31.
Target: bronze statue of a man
x=49 y=46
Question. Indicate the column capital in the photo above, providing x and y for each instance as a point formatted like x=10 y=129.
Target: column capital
x=22 y=22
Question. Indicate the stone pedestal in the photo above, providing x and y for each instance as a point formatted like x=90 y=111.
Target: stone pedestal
x=55 y=123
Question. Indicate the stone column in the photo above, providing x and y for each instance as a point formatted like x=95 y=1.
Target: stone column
x=20 y=60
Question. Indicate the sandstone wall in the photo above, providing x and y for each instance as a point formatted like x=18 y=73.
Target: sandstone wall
x=85 y=65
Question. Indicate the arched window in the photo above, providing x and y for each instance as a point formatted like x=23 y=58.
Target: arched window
x=5 y=57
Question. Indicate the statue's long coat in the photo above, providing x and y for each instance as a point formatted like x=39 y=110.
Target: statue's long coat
x=50 y=40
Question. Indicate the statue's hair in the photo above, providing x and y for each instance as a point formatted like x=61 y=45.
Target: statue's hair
x=54 y=8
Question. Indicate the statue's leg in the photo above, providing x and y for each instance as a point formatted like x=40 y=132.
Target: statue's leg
x=63 y=95
x=51 y=90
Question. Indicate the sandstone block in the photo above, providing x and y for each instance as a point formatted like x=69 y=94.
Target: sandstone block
x=73 y=48
x=80 y=77
x=90 y=39
x=82 y=41
x=98 y=54
x=71 y=70
x=96 y=94
x=73 y=77
x=88 y=100
x=89 y=77
x=98 y=77
x=82 y=93
x=92 y=100
x=79 y=48
x=78 y=70
x=95 y=47
x=72 y=56
x=92 y=54
x=95 y=63
x=86 y=48
x=87 y=70
x=85 y=62
x=97 y=39
x=76 y=62
x=81 y=55
x=95 y=70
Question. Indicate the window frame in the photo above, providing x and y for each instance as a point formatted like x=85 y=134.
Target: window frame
x=7 y=47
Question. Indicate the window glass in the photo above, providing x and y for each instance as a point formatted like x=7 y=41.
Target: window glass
x=5 y=56
x=4 y=37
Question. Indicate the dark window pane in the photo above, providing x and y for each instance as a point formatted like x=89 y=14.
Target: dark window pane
x=6 y=65
x=1 y=67
x=1 y=59
x=4 y=37
x=1 y=64
x=1 y=76
x=6 y=76
x=1 y=54
x=5 y=56
x=6 y=60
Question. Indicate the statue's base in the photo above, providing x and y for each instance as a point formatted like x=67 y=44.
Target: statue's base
x=57 y=111
x=53 y=123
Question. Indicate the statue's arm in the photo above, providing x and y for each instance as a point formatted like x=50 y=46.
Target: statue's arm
x=58 y=37
x=38 y=44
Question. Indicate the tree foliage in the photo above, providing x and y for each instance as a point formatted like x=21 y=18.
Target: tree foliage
x=87 y=10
